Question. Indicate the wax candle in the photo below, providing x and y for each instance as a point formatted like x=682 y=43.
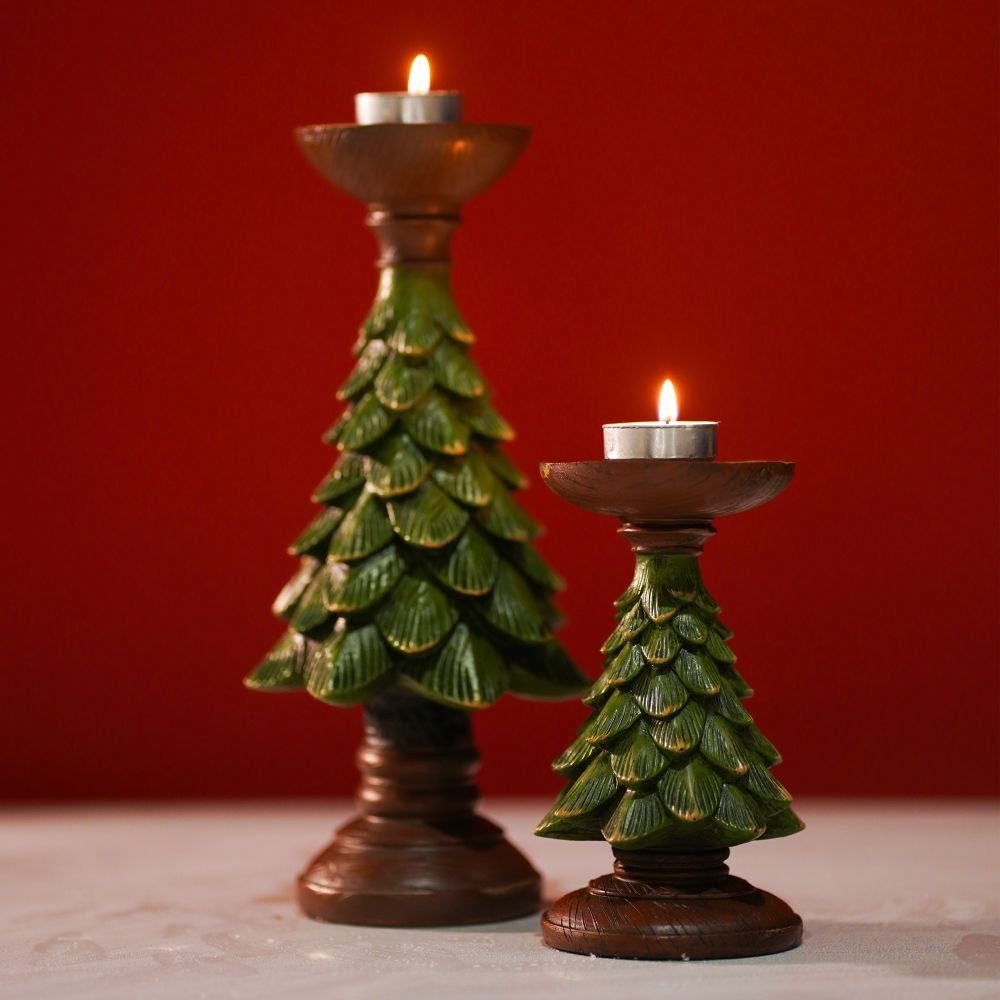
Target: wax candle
x=418 y=103
x=667 y=437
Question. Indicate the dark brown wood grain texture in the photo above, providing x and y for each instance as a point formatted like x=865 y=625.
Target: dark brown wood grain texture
x=661 y=905
x=413 y=177
x=413 y=169
x=650 y=490
x=418 y=855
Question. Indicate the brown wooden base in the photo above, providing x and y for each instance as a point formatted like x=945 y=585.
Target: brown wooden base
x=418 y=855
x=660 y=905
x=404 y=873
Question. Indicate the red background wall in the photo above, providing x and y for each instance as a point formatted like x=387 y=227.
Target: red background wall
x=790 y=207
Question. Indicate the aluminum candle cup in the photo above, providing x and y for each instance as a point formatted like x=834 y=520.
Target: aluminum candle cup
x=652 y=439
x=402 y=106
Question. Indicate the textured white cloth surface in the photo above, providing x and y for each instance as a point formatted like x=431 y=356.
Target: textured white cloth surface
x=194 y=901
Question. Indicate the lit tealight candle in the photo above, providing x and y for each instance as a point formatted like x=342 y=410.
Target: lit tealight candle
x=667 y=437
x=418 y=103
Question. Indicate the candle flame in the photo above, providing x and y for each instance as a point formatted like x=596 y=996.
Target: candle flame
x=669 y=410
x=420 y=75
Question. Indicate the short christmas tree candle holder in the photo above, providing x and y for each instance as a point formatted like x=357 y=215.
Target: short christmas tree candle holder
x=419 y=593
x=670 y=769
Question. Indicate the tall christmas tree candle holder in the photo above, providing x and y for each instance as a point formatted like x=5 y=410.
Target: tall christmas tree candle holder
x=420 y=595
x=670 y=769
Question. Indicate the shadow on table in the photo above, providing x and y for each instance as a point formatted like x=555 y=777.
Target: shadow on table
x=912 y=949
x=909 y=949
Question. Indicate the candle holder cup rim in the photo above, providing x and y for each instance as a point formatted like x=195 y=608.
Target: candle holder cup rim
x=656 y=490
x=405 y=165
x=404 y=93
x=443 y=127
x=664 y=423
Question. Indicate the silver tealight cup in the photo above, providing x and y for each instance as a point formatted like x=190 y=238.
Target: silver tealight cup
x=395 y=106
x=655 y=439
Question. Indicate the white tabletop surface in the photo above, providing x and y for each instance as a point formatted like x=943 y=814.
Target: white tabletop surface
x=899 y=900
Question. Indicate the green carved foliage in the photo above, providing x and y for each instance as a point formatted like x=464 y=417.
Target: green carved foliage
x=311 y=611
x=698 y=671
x=467 y=673
x=512 y=477
x=659 y=695
x=396 y=468
x=344 y=480
x=317 y=532
x=617 y=714
x=631 y=625
x=366 y=423
x=512 y=609
x=660 y=643
x=455 y=371
x=670 y=758
x=427 y=518
x=283 y=669
x=575 y=756
x=467 y=480
x=285 y=603
x=416 y=335
x=469 y=566
x=635 y=820
x=635 y=757
x=680 y=733
x=417 y=618
x=435 y=426
x=480 y=416
x=368 y=365
x=505 y=518
x=367 y=582
x=354 y=666
x=625 y=666
x=595 y=786
x=692 y=791
x=534 y=568
x=419 y=570
x=544 y=671
x=400 y=383
x=363 y=531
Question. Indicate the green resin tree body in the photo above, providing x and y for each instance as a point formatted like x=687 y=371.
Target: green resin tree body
x=670 y=760
x=419 y=572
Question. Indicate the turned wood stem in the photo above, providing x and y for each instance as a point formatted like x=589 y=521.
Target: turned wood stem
x=679 y=539
x=673 y=869
x=417 y=760
x=412 y=239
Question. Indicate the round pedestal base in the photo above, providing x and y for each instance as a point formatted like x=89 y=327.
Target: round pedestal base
x=678 y=916
x=407 y=873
